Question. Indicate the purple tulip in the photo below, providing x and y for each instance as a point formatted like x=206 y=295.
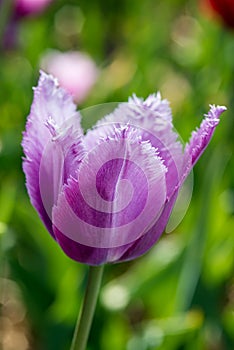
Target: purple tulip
x=106 y=196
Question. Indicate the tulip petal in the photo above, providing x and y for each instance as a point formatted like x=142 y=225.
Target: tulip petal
x=201 y=138
x=98 y=256
x=50 y=102
x=60 y=160
x=119 y=194
x=144 y=243
x=193 y=150
x=151 y=114
x=153 y=119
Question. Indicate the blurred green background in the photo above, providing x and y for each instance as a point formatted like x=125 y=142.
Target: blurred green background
x=180 y=295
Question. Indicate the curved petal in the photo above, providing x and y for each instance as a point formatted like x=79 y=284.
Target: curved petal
x=60 y=159
x=97 y=256
x=49 y=103
x=144 y=243
x=193 y=151
x=153 y=119
x=151 y=114
x=201 y=138
x=90 y=255
x=119 y=194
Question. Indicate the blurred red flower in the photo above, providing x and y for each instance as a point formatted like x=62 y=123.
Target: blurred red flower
x=224 y=9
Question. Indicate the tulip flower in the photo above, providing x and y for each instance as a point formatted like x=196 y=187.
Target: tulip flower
x=76 y=71
x=224 y=9
x=106 y=196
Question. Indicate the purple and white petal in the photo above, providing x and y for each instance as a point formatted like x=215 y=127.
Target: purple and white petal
x=60 y=159
x=50 y=103
x=150 y=114
x=144 y=243
x=97 y=256
x=105 y=207
x=93 y=256
x=153 y=119
x=201 y=138
x=31 y=170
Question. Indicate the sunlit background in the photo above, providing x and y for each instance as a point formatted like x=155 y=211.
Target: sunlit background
x=180 y=295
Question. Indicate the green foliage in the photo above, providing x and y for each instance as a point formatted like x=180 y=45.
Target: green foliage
x=179 y=295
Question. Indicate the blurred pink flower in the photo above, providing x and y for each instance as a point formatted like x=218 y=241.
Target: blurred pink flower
x=75 y=71
x=28 y=7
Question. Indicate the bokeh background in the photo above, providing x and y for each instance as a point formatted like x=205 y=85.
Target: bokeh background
x=181 y=294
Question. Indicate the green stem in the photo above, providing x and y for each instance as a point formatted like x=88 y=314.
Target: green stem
x=84 y=321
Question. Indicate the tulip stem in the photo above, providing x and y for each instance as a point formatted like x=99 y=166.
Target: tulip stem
x=85 y=318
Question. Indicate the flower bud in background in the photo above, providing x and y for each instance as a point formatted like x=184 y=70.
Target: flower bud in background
x=30 y=7
x=76 y=72
x=16 y=10
x=106 y=196
x=224 y=9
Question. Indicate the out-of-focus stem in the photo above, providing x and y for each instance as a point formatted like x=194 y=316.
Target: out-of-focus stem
x=84 y=321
